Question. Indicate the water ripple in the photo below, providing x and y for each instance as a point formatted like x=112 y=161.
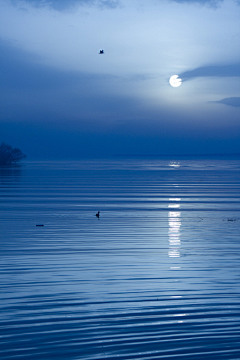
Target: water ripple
x=155 y=277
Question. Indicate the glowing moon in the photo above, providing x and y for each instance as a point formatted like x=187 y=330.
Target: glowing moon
x=175 y=81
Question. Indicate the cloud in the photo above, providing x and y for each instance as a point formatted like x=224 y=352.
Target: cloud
x=67 y=4
x=20 y=70
x=231 y=101
x=212 y=3
x=217 y=70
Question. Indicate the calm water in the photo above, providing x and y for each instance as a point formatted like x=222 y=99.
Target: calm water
x=157 y=276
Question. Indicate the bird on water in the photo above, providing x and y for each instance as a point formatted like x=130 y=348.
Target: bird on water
x=98 y=214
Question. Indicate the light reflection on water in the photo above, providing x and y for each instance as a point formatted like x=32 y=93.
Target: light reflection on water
x=156 y=276
x=174 y=221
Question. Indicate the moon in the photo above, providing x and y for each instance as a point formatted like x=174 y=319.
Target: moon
x=175 y=81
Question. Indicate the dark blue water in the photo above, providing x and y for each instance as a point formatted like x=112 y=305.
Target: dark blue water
x=155 y=277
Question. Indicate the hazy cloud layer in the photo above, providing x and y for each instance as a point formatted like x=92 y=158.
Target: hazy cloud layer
x=218 y=70
x=231 y=101
x=211 y=3
x=66 y=4
x=200 y=2
x=20 y=70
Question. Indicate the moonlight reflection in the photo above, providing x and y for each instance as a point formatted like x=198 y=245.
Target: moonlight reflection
x=174 y=231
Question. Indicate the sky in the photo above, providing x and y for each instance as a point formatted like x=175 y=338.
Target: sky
x=61 y=99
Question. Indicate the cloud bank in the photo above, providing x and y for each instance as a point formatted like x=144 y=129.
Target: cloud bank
x=211 y=3
x=67 y=4
x=217 y=70
x=201 y=2
x=231 y=101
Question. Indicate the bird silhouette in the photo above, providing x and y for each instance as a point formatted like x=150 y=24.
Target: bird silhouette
x=98 y=214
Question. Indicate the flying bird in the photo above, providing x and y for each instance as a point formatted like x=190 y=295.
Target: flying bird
x=101 y=51
x=98 y=214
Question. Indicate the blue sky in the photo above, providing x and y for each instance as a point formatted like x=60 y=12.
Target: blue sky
x=61 y=99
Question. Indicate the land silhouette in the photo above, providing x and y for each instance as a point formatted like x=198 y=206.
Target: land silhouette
x=10 y=155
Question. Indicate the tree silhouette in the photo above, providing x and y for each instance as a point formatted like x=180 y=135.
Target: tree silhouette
x=9 y=155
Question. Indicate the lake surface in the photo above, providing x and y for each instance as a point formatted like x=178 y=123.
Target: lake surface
x=157 y=276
